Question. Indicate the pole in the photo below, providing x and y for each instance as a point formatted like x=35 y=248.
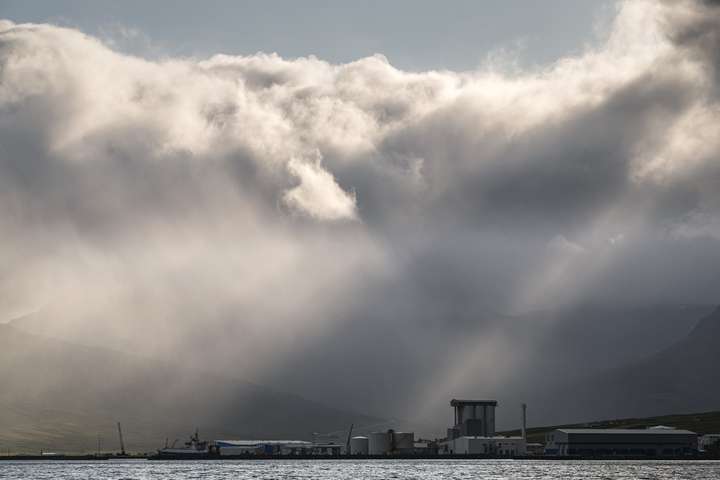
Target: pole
x=122 y=442
x=347 y=444
x=524 y=421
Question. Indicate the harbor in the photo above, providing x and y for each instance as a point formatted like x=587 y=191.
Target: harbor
x=472 y=436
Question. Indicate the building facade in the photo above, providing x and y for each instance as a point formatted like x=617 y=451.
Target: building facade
x=709 y=442
x=621 y=442
x=473 y=418
x=275 y=447
x=493 y=446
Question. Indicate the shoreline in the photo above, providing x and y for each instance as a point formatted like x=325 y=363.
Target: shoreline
x=153 y=458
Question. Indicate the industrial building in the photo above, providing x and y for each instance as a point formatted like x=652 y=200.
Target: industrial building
x=495 y=446
x=649 y=442
x=709 y=442
x=425 y=447
x=535 y=449
x=275 y=447
x=390 y=443
x=473 y=432
x=473 y=418
x=359 y=446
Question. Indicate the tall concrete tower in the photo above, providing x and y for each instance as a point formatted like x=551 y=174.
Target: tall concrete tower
x=473 y=418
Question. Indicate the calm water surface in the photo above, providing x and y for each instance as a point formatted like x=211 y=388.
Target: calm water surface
x=366 y=469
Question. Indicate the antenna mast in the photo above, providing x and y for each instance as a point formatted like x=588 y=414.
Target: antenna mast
x=122 y=442
x=347 y=444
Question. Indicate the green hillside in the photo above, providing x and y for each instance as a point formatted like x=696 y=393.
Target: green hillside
x=701 y=423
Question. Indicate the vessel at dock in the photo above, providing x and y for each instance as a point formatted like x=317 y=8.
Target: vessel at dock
x=193 y=448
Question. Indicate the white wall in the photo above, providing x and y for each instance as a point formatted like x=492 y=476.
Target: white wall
x=489 y=446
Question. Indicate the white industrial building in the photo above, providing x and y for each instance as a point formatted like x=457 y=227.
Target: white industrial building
x=495 y=446
x=630 y=442
x=473 y=432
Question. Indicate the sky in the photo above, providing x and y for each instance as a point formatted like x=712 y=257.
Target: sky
x=414 y=35
x=371 y=192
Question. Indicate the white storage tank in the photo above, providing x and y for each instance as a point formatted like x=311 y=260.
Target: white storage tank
x=404 y=441
x=379 y=443
x=359 y=446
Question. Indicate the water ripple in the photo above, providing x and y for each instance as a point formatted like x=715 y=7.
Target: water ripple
x=363 y=469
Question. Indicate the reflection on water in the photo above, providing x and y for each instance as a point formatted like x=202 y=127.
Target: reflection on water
x=365 y=469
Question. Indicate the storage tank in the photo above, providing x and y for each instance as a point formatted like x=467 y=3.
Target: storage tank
x=379 y=443
x=359 y=446
x=404 y=441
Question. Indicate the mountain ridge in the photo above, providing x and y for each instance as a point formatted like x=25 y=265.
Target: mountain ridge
x=682 y=377
x=61 y=396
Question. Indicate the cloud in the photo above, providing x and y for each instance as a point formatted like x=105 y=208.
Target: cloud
x=318 y=194
x=562 y=245
x=261 y=208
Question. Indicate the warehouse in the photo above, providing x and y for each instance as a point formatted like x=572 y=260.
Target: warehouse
x=651 y=442
x=263 y=447
x=494 y=446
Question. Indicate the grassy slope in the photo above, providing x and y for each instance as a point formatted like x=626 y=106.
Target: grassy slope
x=706 y=422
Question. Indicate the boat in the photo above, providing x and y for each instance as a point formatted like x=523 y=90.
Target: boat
x=194 y=448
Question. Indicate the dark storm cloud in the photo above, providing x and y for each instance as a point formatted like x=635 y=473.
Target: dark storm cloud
x=357 y=218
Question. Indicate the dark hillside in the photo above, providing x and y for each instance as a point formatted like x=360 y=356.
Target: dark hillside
x=701 y=423
x=60 y=396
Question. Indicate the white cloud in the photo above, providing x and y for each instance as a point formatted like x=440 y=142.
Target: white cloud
x=318 y=194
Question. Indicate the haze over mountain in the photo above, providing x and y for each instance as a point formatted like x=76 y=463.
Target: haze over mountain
x=680 y=378
x=60 y=396
x=359 y=234
x=565 y=358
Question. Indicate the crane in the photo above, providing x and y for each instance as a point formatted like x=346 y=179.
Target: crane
x=122 y=442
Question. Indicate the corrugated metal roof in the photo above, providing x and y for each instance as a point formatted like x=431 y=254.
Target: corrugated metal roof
x=625 y=431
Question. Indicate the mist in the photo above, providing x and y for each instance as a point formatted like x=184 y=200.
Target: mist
x=374 y=238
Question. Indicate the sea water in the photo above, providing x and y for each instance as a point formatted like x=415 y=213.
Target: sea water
x=361 y=469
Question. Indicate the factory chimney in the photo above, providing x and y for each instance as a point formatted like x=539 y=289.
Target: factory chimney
x=524 y=421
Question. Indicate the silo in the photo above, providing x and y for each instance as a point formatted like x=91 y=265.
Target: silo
x=404 y=441
x=379 y=443
x=359 y=446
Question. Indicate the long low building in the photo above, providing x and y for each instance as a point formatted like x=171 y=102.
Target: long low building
x=475 y=445
x=275 y=447
x=651 y=442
